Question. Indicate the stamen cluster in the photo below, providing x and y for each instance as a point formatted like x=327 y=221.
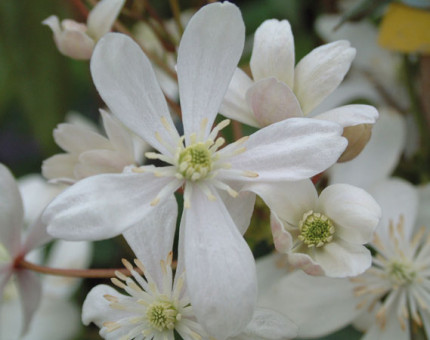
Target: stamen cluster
x=316 y=229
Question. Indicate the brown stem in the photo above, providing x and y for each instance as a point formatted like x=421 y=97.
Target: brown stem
x=82 y=273
x=237 y=130
x=174 y=5
x=81 y=8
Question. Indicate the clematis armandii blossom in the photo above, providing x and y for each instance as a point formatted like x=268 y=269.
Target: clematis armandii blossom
x=77 y=40
x=90 y=153
x=14 y=247
x=325 y=234
x=157 y=303
x=215 y=254
x=281 y=90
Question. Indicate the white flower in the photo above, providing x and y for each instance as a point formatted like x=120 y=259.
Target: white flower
x=322 y=235
x=77 y=40
x=88 y=152
x=279 y=90
x=13 y=248
x=215 y=254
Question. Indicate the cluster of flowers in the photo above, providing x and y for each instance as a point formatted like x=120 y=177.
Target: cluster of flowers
x=353 y=244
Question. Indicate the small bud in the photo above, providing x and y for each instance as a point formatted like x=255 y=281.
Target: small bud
x=357 y=136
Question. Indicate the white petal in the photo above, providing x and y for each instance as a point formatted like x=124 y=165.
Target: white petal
x=270 y=269
x=65 y=254
x=281 y=238
x=36 y=236
x=268 y=324
x=207 y=57
x=272 y=101
x=57 y=319
x=30 y=290
x=118 y=135
x=290 y=150
x=152 y=238
x=240 y=208
x=354 y=212
x=218 y=260
x=320 y=72
x=11 y=212
x=316 y=304
x=102 y=206
x=60 y=166
x=273 y=52
x=5 y=274
x=96 y=308
x=379 y=157
x=102 y=17
x=396 y=198
x=392 y=330
x=126 y=81
x=76 y=138
x=289 y=200
x=341 y=259
x=94 y=162
x=234 y=105
x=351 y=115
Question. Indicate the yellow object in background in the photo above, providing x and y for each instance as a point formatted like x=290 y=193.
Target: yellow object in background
x=405 y=29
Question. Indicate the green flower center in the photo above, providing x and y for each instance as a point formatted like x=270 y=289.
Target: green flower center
x=195 y=161
x=162 y=315
x=315 y=229
x=401 y=273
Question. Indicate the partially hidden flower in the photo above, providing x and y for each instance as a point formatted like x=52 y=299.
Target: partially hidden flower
x=77 y=40
x=89 y=152
x=280 y=90
x=14 y=247
x=325 y=234
x=216 y=213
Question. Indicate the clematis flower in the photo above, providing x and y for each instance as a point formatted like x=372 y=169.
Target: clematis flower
x=279 y=90
x=89 y=152
x=323 y=235
x=77 y=40
x=13 y=248
x=156 y=304
x=215 y=254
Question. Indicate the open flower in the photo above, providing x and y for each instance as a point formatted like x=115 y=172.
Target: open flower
x=13 y=248
x=215 y=254
x=77 y=40
x=88 y=152
x=281 y=90
x=323 y=235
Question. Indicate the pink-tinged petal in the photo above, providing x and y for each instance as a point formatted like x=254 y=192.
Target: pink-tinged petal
x=281 y=238
x=269 y=324
x=291 y=150
x=69 y=255
x=207 y=57
x=391 y=330
x=354 y=212
x=104 y=206
x=397 y=198
x=36 y=236
x=272 y=101
x=240 y=208
x=351 y=115
x=316 y=304
x=76 y=138
x=343 y=259
x=219 y=266
x=126 y=81
x=102 y=17
x=30 y=291
x=289 y=200
x=273 y=52
x=234 y=105
x=152 y=238
x=305 y=263
x=118 y=135
x=320 y=72
x=96 y=308
x=11 y=212
x=60 y=167
x=379 y=158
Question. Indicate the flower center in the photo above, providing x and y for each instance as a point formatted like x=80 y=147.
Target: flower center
x=162 y=315
x=401 y=273
x=195 y=161
x=315 y=229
